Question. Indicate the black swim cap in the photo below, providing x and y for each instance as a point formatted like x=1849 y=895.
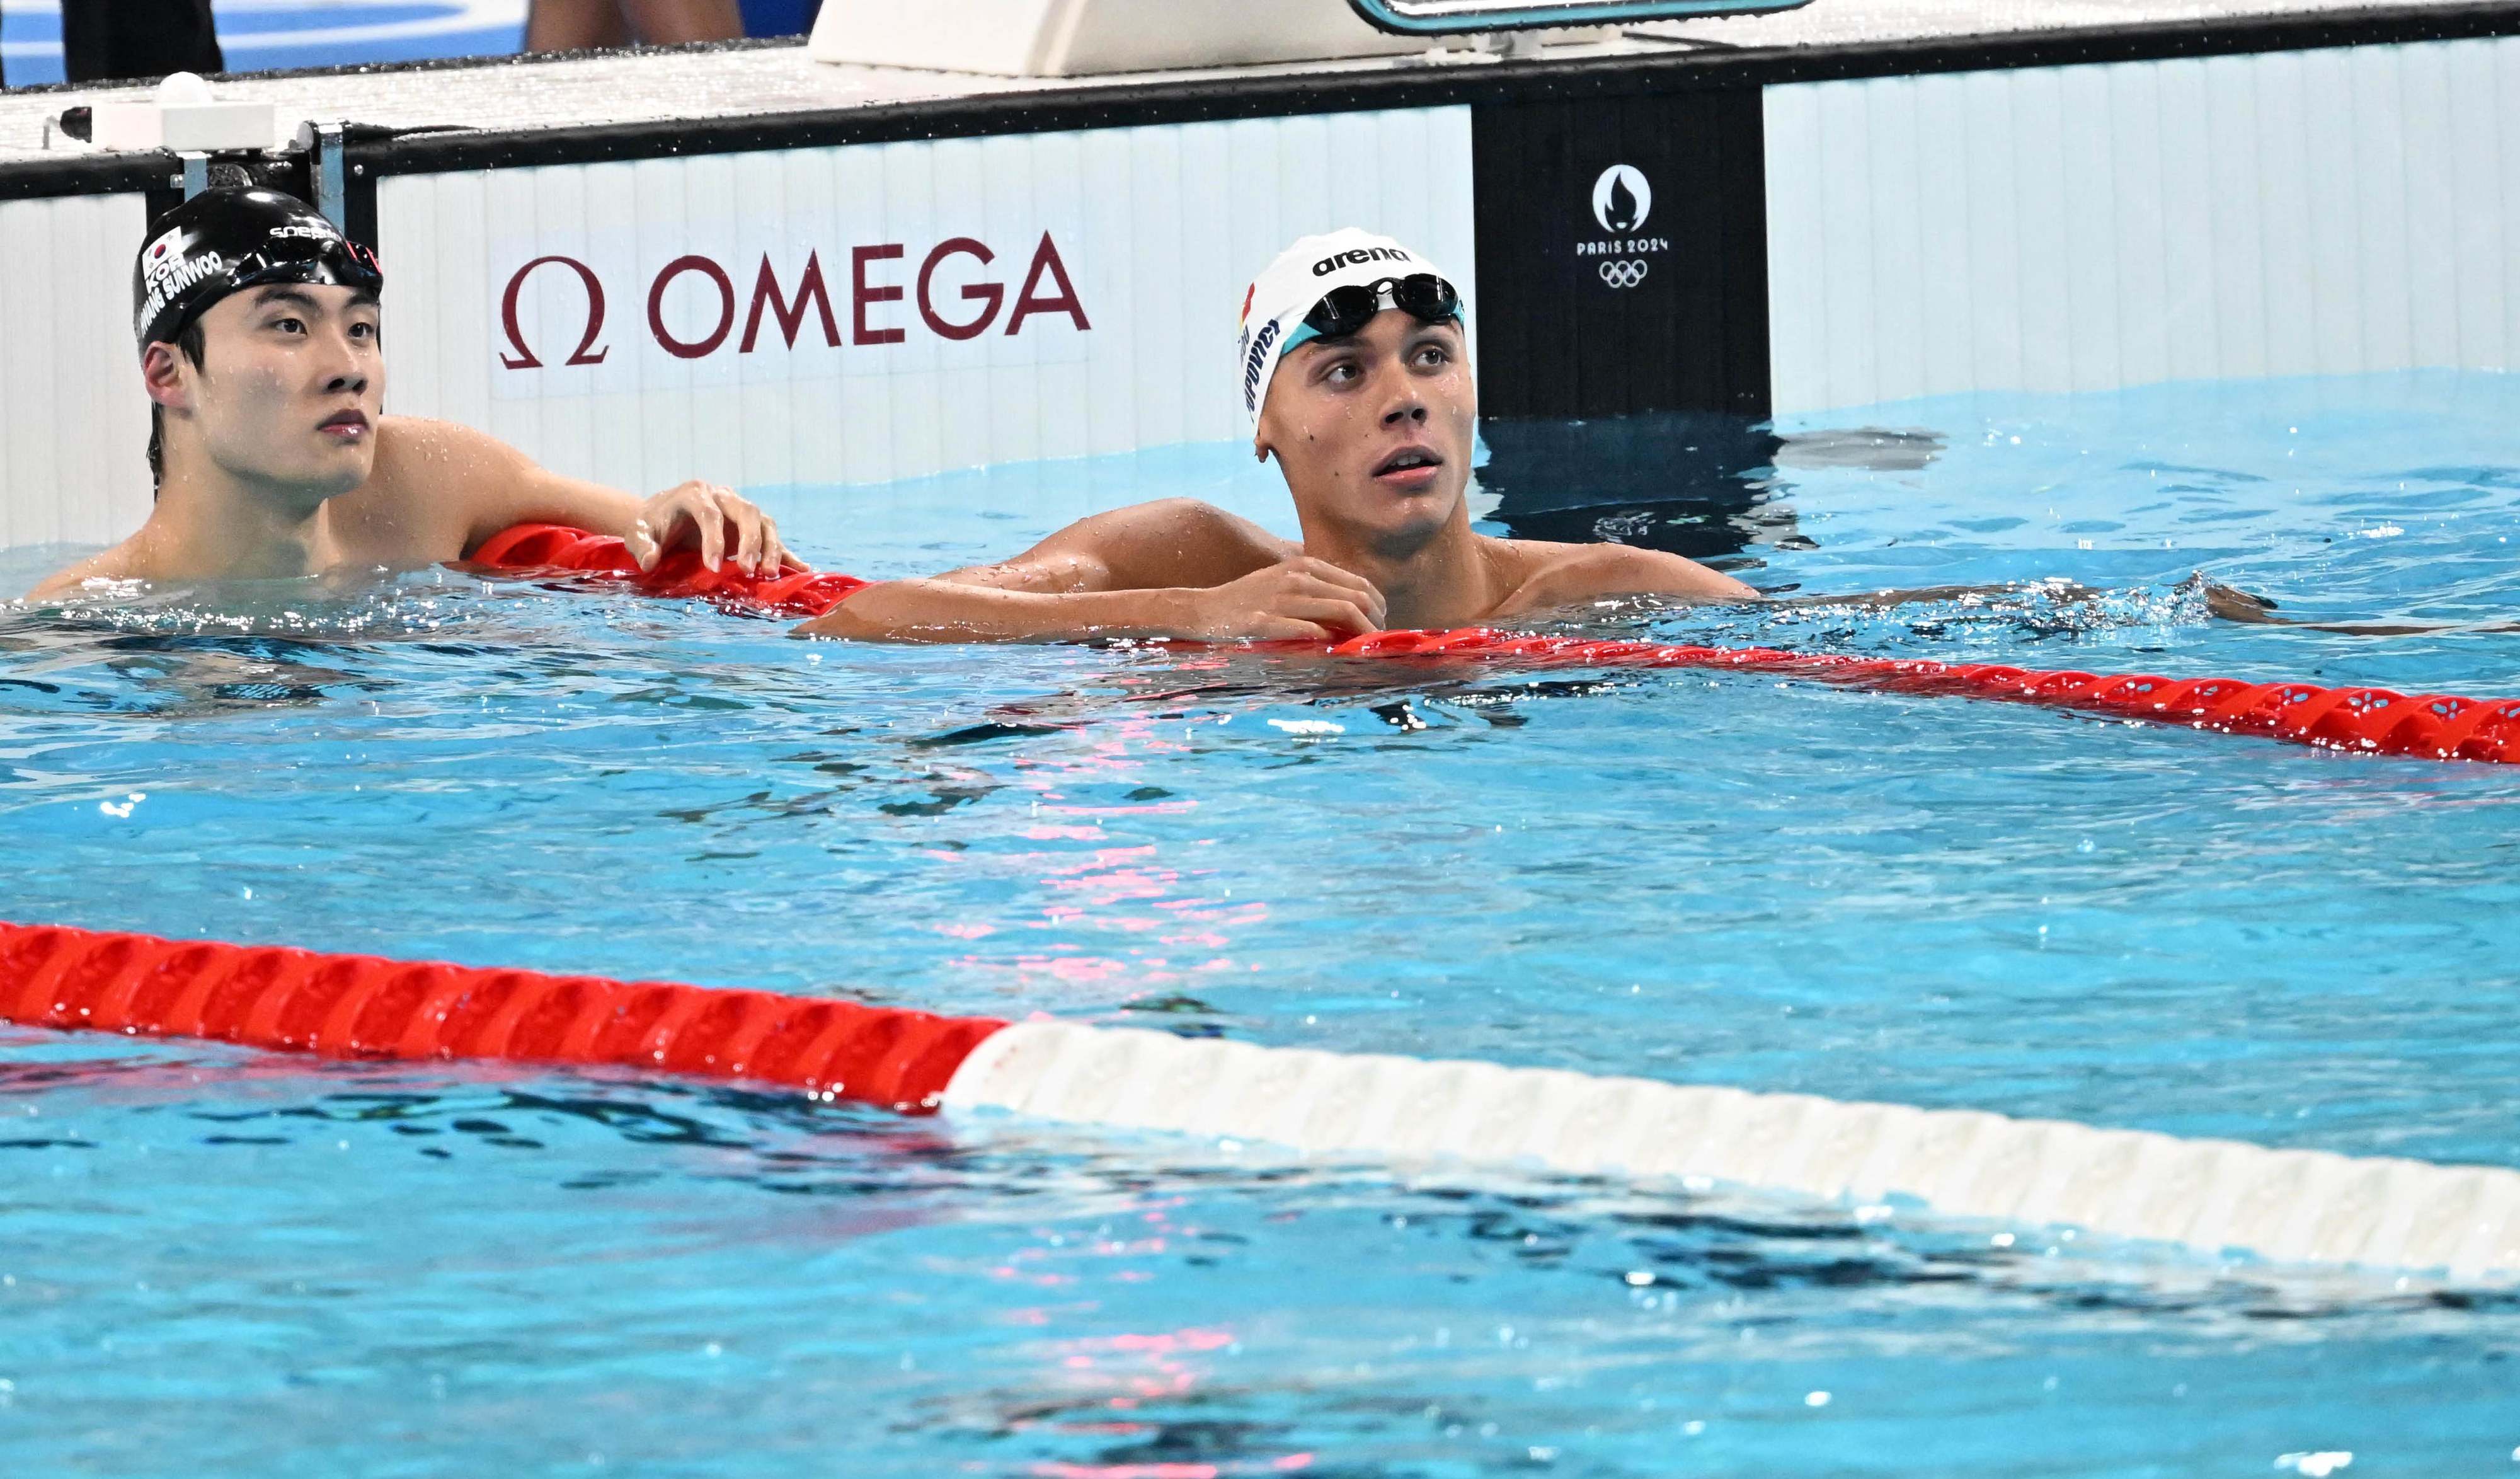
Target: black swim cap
x=226 y=239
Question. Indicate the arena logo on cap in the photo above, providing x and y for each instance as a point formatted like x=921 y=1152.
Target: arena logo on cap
x=1254 y=355
x=1357 y=257
x=786 y=302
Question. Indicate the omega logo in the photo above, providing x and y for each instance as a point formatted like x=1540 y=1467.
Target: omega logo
x=1047 y=290
x=524 y=358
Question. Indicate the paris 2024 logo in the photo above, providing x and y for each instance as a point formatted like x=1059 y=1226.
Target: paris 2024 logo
x=1622 y=200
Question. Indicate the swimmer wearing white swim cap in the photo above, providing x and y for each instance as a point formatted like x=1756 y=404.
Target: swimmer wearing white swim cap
x=259 y=326
x=1353 y=367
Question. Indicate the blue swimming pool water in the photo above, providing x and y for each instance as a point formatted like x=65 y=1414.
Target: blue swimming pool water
x=219 y=1262
x=265 y=35
x=262 y=35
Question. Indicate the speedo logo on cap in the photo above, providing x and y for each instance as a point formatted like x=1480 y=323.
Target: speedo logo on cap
x=1357 y=257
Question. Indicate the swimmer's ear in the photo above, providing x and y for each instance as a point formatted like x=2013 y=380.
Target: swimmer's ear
x=161 y=373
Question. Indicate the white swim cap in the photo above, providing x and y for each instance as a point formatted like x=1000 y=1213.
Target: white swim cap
x=1275 y=304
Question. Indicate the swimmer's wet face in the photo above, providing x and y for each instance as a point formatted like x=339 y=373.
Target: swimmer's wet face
x=220 y=243
x=1373 y=430
x=285 y=394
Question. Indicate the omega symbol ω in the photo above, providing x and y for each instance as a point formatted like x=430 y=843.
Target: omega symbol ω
x=1622 y=198
x=1624 y=274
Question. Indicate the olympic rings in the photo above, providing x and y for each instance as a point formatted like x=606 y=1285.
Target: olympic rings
x=1624 y=274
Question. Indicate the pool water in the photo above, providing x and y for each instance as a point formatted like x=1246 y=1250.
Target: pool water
x=220 y=1262
x=261 y=35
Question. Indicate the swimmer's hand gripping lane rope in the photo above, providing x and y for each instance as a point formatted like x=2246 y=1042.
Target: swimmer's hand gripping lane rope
x=679 y=573
x=2363 y=720
x=2284 y=1205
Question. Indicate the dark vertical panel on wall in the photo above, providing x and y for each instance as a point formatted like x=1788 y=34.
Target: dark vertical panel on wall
x=1623 y=256
x=362 y=195
x=157 y=202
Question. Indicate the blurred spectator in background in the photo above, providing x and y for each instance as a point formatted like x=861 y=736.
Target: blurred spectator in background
x=575 y=25
x=141 y=38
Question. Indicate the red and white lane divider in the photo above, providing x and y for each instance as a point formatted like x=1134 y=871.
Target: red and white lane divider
x=2289 y=1206
x=2360 y=720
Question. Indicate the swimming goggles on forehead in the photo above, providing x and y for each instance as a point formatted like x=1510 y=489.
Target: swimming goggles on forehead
x=334 y=260
x=1346 y=310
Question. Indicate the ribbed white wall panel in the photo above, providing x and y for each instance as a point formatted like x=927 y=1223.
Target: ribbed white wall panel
x=2091 y=227
x=1158 y=228
x=73 y=420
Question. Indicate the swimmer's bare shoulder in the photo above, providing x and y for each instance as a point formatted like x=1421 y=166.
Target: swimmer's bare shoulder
x=1540 y=575
x=123 y=562
x=1170 y=542
x=437 y=489
x=435 y=492
x=441 y=490
x=410 y=511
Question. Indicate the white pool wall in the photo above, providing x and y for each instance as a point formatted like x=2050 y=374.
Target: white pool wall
x=74 y=422
x=2068 y=228
x=2090 y=228
x=1161 y=230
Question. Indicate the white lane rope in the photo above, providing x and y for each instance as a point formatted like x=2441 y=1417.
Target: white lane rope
x=2285 y=1206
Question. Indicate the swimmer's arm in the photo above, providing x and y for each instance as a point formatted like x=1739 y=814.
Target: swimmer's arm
x=1302 y=598
x=1574 y=572
x=484 y=486
x=1172 y=568
x=2253 y=610
x=2223 y=602
x=1170 y=542
x=943 y=610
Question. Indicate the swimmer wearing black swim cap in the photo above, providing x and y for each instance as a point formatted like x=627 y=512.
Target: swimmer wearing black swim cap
x=259 y=325
x=221 y=241
x=1353 y=370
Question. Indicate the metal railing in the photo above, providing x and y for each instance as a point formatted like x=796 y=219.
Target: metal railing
x=1451 y=17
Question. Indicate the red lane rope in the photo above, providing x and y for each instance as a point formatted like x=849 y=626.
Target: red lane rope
x=2367 y=720
x=679 y=574
x=361 y=1006
x=2372 y=720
